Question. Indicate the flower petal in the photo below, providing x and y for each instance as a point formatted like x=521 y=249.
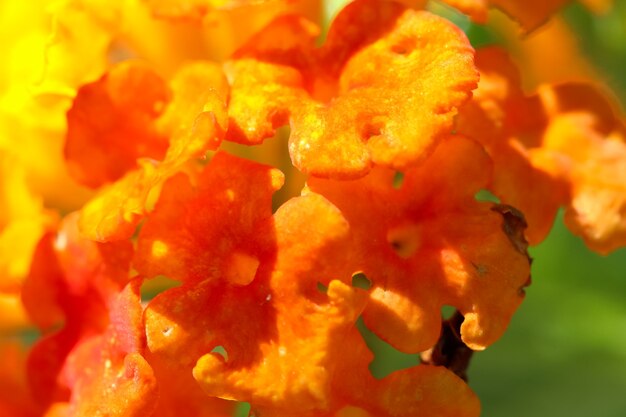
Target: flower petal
x=110 y=124
x=336 y=132
x=186 y=323
x=74 y=280
x=509 y=125
x=434 y=245
x=109 y=369
x=194 y=121
x=566 y=149
x=184 y=238
x=597 y=210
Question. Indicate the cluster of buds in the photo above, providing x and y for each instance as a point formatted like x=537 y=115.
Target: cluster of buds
x=170 y=272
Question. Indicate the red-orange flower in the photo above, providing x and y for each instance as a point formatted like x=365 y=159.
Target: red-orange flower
x=72 y=280
x=243 y=342
x=185 y=324
x=174 y=130
x=112 y=123
x=185 y=237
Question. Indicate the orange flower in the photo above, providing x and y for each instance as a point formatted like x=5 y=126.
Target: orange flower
x=283 y=322
x=562 y=146
x=356 y=393
x=185 y=323
x=372 y=55
x=429 y=244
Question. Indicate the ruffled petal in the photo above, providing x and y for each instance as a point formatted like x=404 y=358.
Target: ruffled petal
x=196 y=118
x=114 y=213
x=509 y=125
x=562 y=146
x=597 y=171
x=326 y=93
x=184 y=237
x=194 y=121
x=356 y=393
x=293 y=347
x=477 y=10
x=111 y=124
x=184 y=325
x=432 y=248
x=71 y=280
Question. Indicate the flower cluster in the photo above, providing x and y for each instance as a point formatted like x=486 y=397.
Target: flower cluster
x=130 y=134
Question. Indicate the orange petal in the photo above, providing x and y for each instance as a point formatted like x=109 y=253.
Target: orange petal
x=301 y=345
x=477 y=10
x=510 y=125
x=440 y=391
x=263 y=89
x=114 y=213
x=196 y=118
x=530 y=14
x=180 y=394
x=413 y=113
x=433 y=248
x=423 y=389
x=597 y=210
x=326 y=93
